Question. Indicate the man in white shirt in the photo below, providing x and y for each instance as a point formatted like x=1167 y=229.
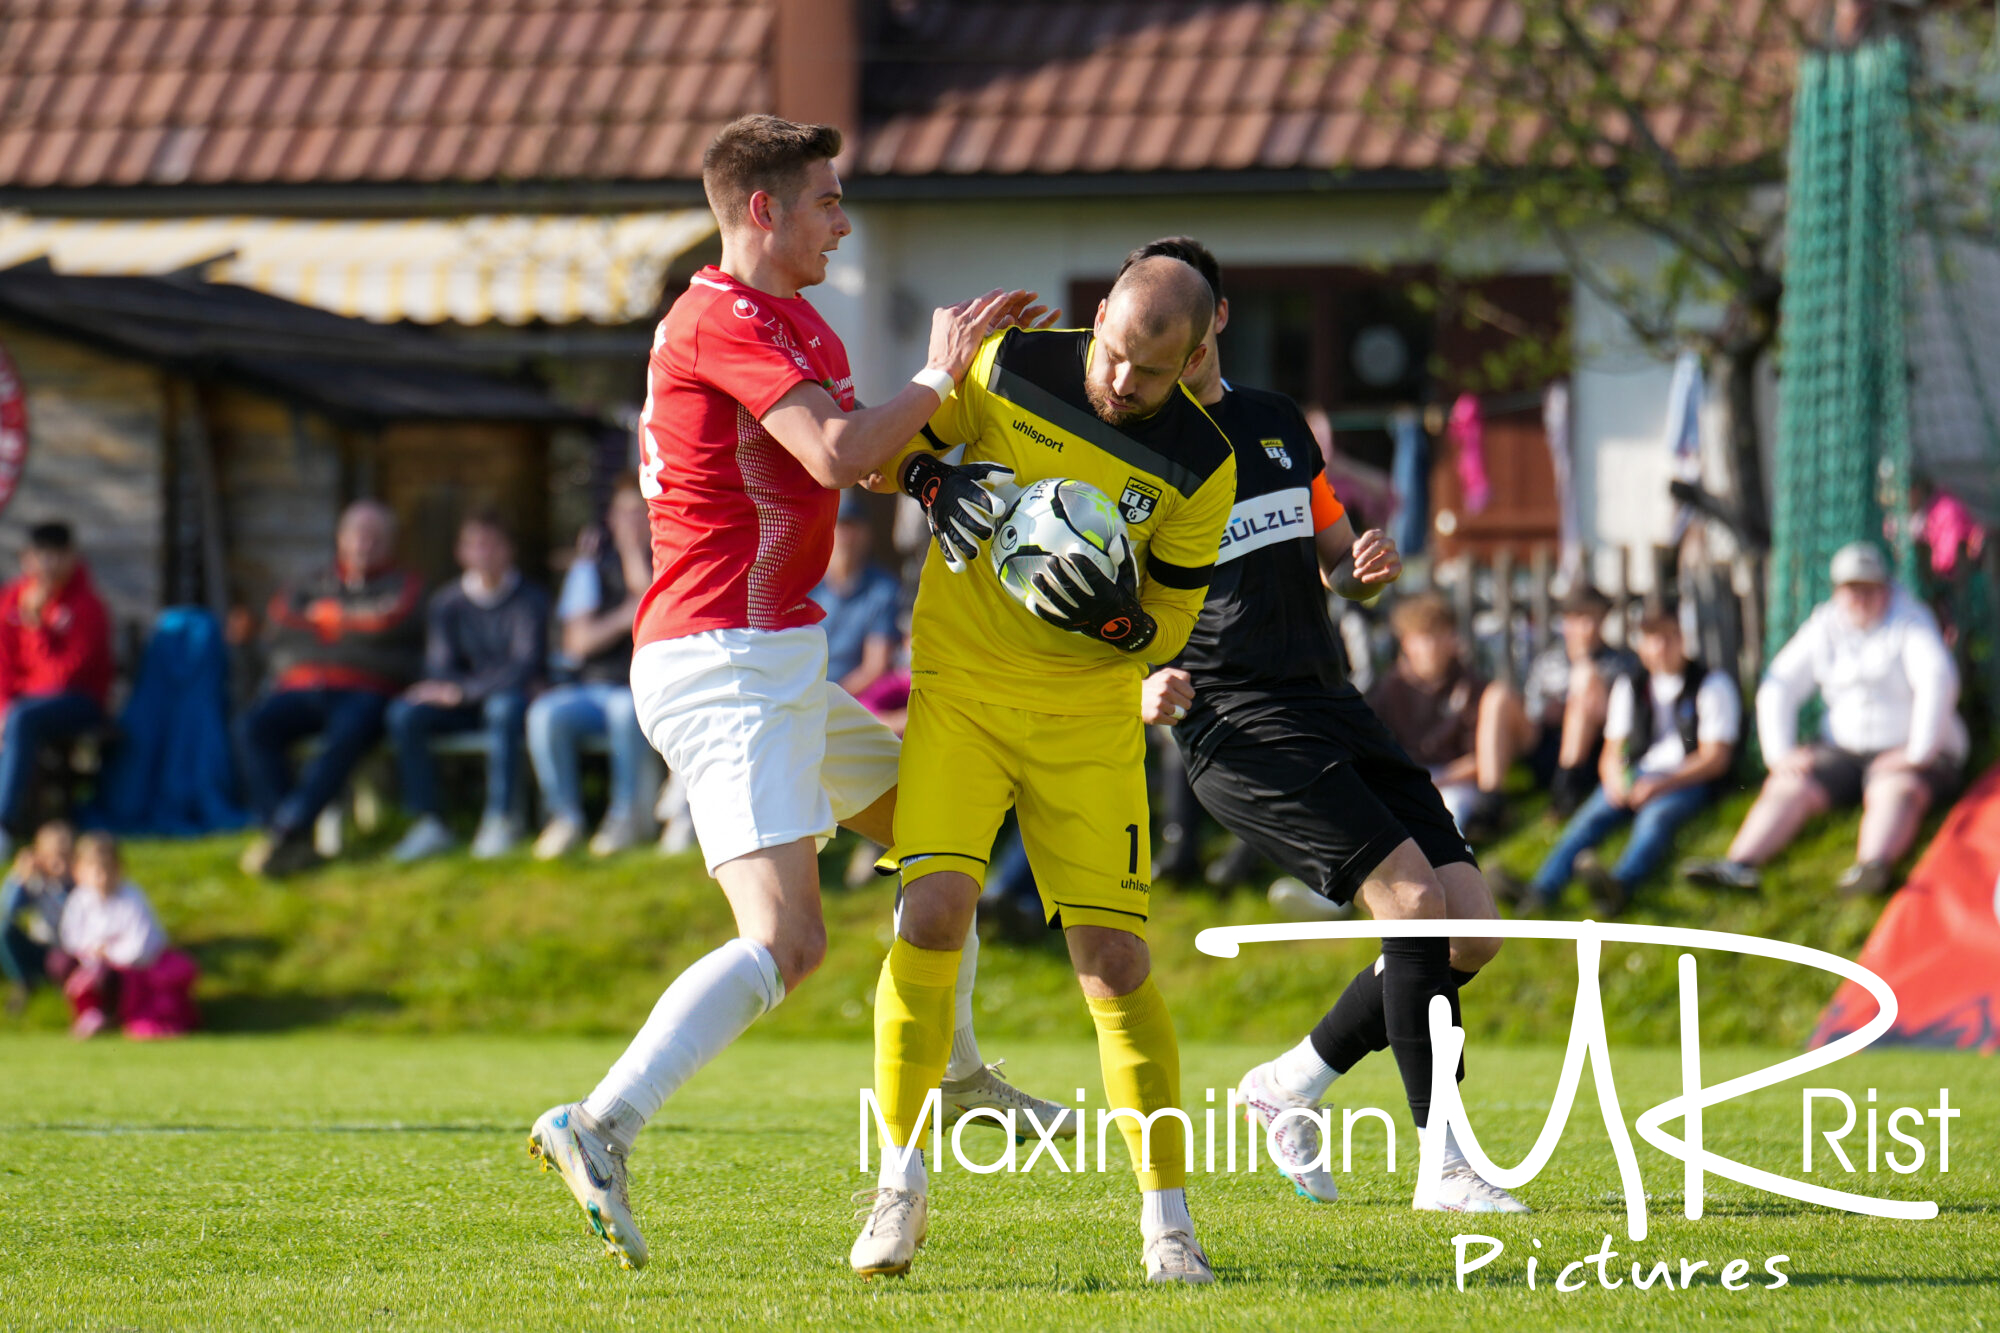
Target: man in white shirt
x=1891 y=739
x=1659 y=766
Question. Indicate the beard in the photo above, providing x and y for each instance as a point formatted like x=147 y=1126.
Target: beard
x=1100 y=402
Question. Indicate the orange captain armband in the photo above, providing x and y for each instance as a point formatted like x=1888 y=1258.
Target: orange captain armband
x=1327 y=508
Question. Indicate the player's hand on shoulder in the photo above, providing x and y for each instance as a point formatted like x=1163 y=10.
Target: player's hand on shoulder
x=1075 y=594
x=958 y=330
x=1165 y=697
x=962 y=504
x=1376 y=559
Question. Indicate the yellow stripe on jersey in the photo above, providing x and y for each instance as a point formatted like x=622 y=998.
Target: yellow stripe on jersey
x=1172 y=476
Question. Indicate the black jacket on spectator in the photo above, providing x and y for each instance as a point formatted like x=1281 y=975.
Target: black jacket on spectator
x=611 y=664
x=327 y=632
x=487 y=650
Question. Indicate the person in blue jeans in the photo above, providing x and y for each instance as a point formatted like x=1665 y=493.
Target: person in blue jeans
x=594 y=613
x=1670 y=735
x=485 y=646
x=343 y=643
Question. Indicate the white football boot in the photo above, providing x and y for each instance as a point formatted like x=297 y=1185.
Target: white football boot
x=1463 y=1190
x=989 y=1090
x=897 y=1221
x=594 y=1170
x=1296 y=1146
x=1175 y=1256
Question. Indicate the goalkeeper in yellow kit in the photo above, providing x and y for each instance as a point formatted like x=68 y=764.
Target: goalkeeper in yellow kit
x=1043 y=715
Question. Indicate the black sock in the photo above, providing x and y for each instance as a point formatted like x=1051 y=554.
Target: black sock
x=1459 y=981
x=1413 y=972
x=1354 y=1026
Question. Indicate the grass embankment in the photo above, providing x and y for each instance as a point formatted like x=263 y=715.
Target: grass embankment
x=581 y=947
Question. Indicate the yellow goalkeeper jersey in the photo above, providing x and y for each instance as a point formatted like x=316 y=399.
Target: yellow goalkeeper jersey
x=1172 y=476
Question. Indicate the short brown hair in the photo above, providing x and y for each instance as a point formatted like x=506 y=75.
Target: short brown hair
x=1425 y=613
x=489 y=518
x=767 y=153
x=99 y=849
x=1659 y=618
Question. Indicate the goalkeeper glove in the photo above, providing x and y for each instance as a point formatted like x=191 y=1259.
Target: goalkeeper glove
x=959 y=503
x=1076 y=595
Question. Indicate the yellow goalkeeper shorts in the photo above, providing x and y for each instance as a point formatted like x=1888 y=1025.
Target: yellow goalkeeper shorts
x=1078 y=785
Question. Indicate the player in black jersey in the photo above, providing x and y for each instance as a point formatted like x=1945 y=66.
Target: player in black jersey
x=1281 y=748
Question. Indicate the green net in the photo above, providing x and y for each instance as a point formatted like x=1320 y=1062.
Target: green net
x=1843 y=414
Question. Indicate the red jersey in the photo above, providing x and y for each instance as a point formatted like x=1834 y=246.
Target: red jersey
x=741 y=531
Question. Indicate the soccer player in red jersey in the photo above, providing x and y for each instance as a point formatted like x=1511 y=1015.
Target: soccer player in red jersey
x=750 y=428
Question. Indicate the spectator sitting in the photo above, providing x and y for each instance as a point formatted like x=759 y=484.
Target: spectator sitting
x=1448 y=717
x=860 y=599
x=31 y=904
x=484 y=649
x=342 y=644
x=55 y=664
x=1568 y=688
x=1660 y=765
x=1890 y=739
x=111 y=944
x=599 y=599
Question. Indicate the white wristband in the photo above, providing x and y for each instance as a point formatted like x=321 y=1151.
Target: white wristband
x=936 y=381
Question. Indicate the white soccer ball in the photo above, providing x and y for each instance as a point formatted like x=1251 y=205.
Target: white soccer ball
x=1056 y=517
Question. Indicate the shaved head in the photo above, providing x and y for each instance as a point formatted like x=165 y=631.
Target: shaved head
x=1158 y=295
x=1150 y=331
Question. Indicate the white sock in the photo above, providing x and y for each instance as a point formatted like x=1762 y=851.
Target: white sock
x=620 y=1124
x=1454 y=1156
x=895 y=1175
x=1163 y=1211
x=1302 y=1073
x=706 y=1008
x=965 y=1061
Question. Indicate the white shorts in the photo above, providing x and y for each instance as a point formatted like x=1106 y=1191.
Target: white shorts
x=770 y=749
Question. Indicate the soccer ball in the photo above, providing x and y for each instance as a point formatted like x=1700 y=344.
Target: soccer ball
x=1056 y=517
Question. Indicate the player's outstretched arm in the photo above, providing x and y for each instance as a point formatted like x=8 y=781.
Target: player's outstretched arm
x=1358 y=568
x=839 y=448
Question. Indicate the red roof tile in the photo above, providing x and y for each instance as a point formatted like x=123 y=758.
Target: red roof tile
x=1228 y=85
x=118 y=92
x=163 y=92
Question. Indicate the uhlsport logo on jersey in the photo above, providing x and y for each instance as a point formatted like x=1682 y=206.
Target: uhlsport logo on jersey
x=1138 y=500
x=744 y=308
x=1276 y=449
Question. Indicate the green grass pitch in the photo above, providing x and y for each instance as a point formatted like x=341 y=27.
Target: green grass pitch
x=361 y=1181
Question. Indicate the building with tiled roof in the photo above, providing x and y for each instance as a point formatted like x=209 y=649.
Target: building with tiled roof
x=524 y=174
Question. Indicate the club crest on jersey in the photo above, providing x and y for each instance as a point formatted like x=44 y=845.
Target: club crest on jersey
x=1276 y=449
x=744 y=308
x=1138 y=500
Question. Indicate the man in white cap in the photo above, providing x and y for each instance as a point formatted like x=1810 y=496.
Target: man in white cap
x=1890 y=740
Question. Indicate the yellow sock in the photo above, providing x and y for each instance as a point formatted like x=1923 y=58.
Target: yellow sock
x=1141 y=1061
x=913 y=1009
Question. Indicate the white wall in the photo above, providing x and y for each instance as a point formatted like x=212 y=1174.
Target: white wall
x=905 y=258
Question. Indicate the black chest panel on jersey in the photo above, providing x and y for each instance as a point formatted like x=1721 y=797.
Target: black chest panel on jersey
x=1044 y=372
x=1264 y=626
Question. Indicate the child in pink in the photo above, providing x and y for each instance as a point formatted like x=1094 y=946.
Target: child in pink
x=113 y=951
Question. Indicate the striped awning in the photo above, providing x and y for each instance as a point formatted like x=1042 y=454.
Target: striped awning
x=515 y=268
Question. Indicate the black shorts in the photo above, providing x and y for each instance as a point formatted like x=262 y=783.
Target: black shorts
x=1318 y=786
x=1842 y=774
